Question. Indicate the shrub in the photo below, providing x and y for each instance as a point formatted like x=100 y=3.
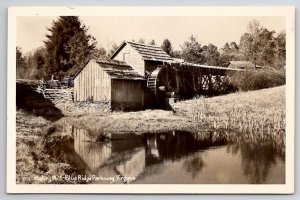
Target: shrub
x=256 y=79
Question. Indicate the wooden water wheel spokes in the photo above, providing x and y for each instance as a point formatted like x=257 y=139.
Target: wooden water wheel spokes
x=162 y=81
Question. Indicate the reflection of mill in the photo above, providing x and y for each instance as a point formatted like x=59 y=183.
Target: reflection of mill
x=123 y=158
x=126 y=158
x=154 y=155
x=93 y=154
x=133 y=156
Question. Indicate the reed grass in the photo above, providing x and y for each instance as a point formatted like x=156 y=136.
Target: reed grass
x=259 y=112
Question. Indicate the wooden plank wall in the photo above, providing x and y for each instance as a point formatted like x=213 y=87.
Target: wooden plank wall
x=92 y=84
x=129 y=93
x=132 y=58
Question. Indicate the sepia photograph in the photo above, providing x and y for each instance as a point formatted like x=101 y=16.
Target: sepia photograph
x=139 y=98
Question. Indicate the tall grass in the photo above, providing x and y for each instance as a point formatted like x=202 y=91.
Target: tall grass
x=256 y=114
x=256 y=79
x=240 y=118
x=32 y=160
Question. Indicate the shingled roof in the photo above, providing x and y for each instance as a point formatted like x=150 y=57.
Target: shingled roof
x=242 y=65
x=118 y=70
x=148 y=52
x=197 y=67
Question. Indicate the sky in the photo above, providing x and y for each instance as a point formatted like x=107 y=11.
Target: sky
x=31 y=30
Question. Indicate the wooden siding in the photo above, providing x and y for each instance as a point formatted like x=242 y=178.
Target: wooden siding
x=127 y=94
x=92 y=84
x=132 y=58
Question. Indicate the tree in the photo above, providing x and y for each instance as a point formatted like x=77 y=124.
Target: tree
x=176 y=54
x=68 y=45
x=226 y=48
x=258 y=44
x=20 y=63
x=113 y=49
x=192 y=51
x=229 y=52
x=167 y=46
x=141 y=40
x=280 y=50
x=80 y=48
x=152 y=42
x=267 y=47
x=100 y=53
x=249 y=42
x=233 y=47
x=40 y=60
x=211 y=54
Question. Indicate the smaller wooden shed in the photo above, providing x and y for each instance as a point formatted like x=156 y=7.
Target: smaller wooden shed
x=112 y=82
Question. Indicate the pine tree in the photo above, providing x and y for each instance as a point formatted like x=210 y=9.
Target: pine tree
x=167 y=46
x=68 y=45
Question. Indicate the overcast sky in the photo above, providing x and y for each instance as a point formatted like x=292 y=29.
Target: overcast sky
x=31 y=31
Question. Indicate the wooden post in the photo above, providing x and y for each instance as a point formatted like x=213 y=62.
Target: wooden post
x=210 y=88
x=194 y=84
x=200 y=84
x=177 y=82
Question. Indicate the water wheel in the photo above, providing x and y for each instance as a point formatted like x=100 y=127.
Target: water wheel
x=162 y=81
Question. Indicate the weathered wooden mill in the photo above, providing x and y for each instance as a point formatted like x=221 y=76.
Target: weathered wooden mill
x=140 y=75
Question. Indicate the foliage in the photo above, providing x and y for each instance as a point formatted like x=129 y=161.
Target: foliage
x=33 y=65
x=68 y=45
x=280 y=52
x=229 y=53
x=141 y=40
x=258 y=45
x=113 y=49
x=20 y=63
x=167 y=46
x=211 y=55
x=152 y=42
x=257 y=79
x=192 y=51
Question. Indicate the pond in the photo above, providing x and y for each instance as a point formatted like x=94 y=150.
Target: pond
x=170 y=158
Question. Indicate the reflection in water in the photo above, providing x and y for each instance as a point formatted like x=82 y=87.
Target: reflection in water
x=174 y=157
x=93 y=154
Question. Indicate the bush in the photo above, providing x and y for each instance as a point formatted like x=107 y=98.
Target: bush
x=256 y=79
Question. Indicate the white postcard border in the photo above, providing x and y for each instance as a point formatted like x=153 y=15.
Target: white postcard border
x=287 y=12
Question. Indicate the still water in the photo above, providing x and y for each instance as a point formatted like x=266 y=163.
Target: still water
x=173 y=158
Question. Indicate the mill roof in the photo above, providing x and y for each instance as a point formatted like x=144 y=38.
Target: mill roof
x=148 y=52
x=193 y=66
x=118 y=70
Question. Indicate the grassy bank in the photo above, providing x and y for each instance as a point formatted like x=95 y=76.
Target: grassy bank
x=253 y=111
x=258 y=111
x=148 y=121
x=34 y=165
